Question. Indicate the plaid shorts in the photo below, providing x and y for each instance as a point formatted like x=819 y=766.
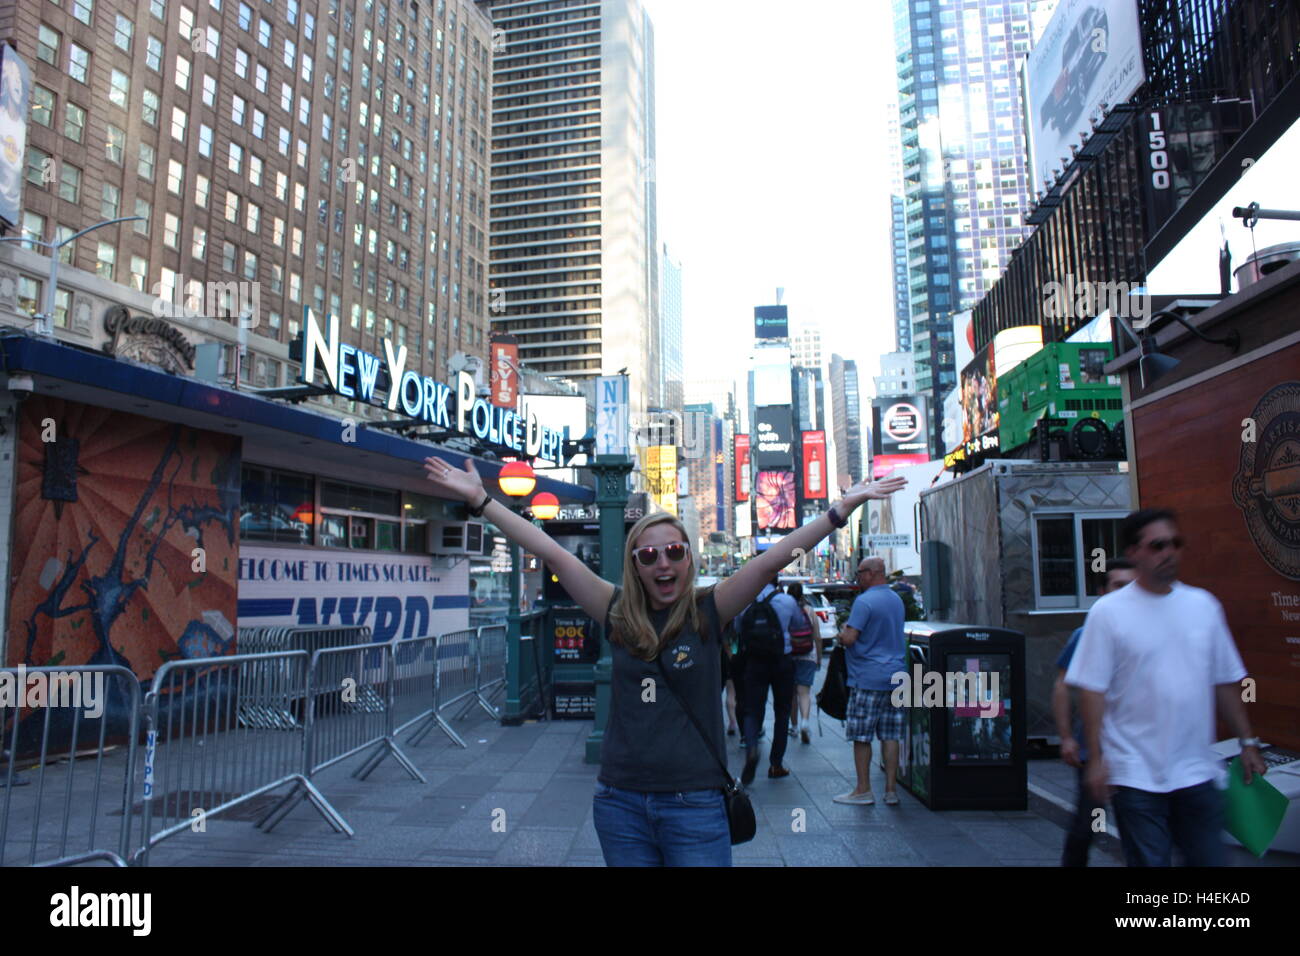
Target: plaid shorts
x=870 y=714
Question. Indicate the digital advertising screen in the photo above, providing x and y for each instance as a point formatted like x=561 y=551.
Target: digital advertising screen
x=771 y=322
x=741 y=457
x=814 y=465
x=979 y=399
x=774 y=441
x=774 y=499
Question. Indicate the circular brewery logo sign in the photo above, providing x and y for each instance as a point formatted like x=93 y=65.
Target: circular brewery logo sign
x=902 y=422
x=1267 y=485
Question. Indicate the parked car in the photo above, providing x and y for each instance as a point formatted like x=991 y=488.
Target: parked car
x=827 y=619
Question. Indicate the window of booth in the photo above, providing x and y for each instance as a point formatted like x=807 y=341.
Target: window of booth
x=276 y=506
x=1067 y=547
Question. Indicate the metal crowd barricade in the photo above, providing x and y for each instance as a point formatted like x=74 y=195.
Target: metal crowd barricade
x=257 y=709
x=453 y=681
x=490 y=667
x=415 y=688
x=201 y=759
x=350 y=694
x=66 y=777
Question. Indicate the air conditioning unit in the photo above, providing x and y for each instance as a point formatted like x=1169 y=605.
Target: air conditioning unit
x=457 y=537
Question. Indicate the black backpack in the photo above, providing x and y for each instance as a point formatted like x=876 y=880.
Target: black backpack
x=833 y=698
x=760 y=629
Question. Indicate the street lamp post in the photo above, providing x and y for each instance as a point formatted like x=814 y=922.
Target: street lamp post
x=517 y=481
x=45 y=319
x=611 y=473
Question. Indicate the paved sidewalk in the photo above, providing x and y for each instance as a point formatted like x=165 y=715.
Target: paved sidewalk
x=532 y=780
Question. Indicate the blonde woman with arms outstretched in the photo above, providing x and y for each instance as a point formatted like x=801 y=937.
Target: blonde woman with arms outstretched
x=659 y=794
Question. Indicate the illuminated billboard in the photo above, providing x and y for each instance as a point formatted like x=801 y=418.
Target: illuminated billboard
x=774 y=500
x=774 y=442
x=814 y=465
x=741 y=457
x=979 y=404
x=771 y=322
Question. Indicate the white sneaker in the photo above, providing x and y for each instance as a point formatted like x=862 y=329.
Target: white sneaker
x=857 y=799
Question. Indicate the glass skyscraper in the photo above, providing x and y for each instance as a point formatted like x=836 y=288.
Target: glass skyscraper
x=964 y=163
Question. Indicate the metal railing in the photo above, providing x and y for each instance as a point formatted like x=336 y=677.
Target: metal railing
x=217 y=733
x=201 y=759
x=67 y=763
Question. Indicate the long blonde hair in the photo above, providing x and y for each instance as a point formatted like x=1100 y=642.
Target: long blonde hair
x=630 y=616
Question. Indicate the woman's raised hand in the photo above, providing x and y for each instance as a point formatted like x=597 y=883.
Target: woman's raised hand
x=455 y=483
x=880 y=488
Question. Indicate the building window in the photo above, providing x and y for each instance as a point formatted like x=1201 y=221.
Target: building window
x=78 y=63
x=171 y=231
x=205 y=140
x=144 y=210
x=209 y=90
x=182 y=72
x=69 y=182
x=229 y=256
x=110 y=201
x=202 y=186
x=122 y=33
x=179 y=121
x=47 y=45
x=139 y=273
x=114 y=144
x=153 y=53
x=74 y=122
x=199 y=243
x=175 y=177
x=105 y=259
x=151 y=106
x=1066 y=545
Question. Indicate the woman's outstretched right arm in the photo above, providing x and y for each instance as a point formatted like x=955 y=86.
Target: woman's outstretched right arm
x=592 y=592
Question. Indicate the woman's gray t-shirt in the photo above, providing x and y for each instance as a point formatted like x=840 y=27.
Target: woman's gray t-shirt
x=650 y=743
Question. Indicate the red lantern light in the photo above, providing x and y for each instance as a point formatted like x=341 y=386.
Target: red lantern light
x=517 y=479
x=545 y=506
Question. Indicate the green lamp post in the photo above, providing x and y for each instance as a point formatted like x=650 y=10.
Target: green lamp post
x=611 y=473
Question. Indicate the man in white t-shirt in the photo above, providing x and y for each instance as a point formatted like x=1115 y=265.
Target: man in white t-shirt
x=1154 y=661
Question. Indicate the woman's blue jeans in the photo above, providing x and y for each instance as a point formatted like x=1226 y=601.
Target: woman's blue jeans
x=686 y=828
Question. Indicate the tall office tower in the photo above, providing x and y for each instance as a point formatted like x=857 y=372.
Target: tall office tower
x=309 y=148
x=964 y=163
x=806 y=347
x=672 y=373
x=574 y=267
x=897 y=376
x=701 y=450
x=898 y=255
x=846 y=418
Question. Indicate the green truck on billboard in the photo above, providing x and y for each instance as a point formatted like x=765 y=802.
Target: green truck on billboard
x=1063 y=380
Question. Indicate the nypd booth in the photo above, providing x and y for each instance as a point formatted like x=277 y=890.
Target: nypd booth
x=149 y=514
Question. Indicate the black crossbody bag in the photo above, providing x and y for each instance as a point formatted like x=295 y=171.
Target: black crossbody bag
x=740 y=812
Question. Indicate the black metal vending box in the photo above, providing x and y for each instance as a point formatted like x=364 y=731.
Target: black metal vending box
x=964 y=740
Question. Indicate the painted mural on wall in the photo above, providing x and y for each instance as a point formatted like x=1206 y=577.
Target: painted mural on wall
x=109 y=511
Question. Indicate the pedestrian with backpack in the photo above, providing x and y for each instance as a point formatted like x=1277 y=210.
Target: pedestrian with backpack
x=764 y=629
x=806 y=648
x=664 y=795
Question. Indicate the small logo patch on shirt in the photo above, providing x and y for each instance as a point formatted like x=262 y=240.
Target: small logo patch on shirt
x=682 y=657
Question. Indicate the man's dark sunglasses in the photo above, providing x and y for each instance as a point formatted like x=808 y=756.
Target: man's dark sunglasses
x=650 y=556
x=1159 y=544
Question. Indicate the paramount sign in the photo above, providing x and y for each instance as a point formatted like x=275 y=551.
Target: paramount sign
x=355 y=373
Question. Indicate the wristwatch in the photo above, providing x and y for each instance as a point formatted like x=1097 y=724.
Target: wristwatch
x=834 y=517
x=478 y=512
x=1248 y=742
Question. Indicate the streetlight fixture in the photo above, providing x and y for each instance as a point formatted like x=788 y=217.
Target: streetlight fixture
x=517 y=479
x=545 y=506
x=45 y=319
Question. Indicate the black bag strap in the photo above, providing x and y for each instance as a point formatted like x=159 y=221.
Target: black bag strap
x=731 y=781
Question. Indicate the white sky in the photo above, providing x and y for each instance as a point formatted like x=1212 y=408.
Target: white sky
x=773 y=170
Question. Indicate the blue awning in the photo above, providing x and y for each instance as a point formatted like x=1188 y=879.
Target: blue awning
x=78 y=374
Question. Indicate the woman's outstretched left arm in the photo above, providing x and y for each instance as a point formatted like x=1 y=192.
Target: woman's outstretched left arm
x=737 y=592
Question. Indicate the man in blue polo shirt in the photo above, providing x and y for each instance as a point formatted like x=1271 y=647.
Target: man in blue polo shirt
x=875 y=649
